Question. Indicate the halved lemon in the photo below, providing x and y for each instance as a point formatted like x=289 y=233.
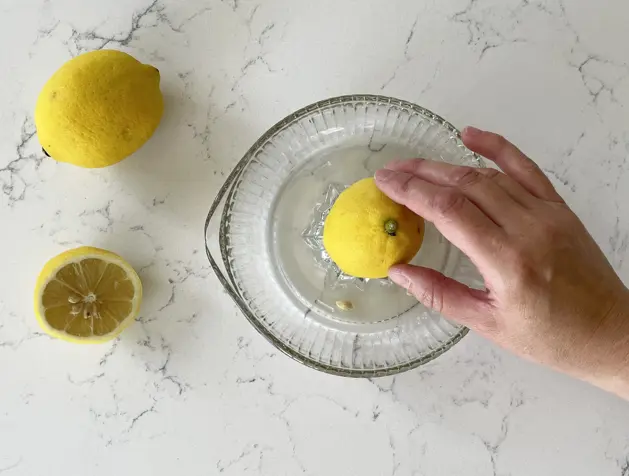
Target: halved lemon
x=87 y=295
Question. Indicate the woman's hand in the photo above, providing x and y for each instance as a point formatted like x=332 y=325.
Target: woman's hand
x=551 y=295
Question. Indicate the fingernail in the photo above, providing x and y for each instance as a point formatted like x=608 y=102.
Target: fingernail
x=472 y=131
x=399 y=278
x=384 y=175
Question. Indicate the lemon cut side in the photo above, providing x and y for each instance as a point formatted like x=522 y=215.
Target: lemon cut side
x=87 y=295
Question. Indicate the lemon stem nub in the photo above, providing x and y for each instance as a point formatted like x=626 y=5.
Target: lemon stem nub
x=390 y=226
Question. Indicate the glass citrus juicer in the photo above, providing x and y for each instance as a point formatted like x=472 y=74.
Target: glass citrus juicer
x=264 y=238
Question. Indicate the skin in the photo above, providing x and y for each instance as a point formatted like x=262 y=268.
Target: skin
x=551 y=295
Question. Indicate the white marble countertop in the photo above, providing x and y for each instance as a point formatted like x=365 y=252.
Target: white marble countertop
x=192 y=389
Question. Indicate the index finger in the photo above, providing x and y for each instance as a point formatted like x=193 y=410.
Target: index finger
x=512 y=161
x=456 y=217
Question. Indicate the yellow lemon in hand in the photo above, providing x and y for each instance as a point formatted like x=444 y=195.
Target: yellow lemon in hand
x=366 y=232
x=98 y=108
x=87 y=295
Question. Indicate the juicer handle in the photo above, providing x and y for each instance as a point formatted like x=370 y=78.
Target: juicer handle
x=222 y=276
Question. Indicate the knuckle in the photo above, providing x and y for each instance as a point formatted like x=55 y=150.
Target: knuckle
x=530 y=167
x=491 y=174
x=405 y=185
x=468 y=176
x=501 y=141
x=448 y=202
x=433 y=297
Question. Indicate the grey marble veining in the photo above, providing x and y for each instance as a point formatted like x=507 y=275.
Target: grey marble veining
x=191 y=388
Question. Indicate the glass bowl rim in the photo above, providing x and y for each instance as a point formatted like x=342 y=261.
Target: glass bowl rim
x=228 y=282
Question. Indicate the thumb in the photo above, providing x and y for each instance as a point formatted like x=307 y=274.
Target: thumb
x=447 y=296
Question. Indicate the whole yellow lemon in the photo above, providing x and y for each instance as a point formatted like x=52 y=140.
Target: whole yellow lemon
x=366 y=232
x=98 y=108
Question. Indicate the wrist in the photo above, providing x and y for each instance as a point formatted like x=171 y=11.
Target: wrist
x=609 y=350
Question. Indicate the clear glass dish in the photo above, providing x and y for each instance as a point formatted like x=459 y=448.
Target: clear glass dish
x=266 y=225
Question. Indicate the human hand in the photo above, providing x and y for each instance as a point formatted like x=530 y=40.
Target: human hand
x=551 y=296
